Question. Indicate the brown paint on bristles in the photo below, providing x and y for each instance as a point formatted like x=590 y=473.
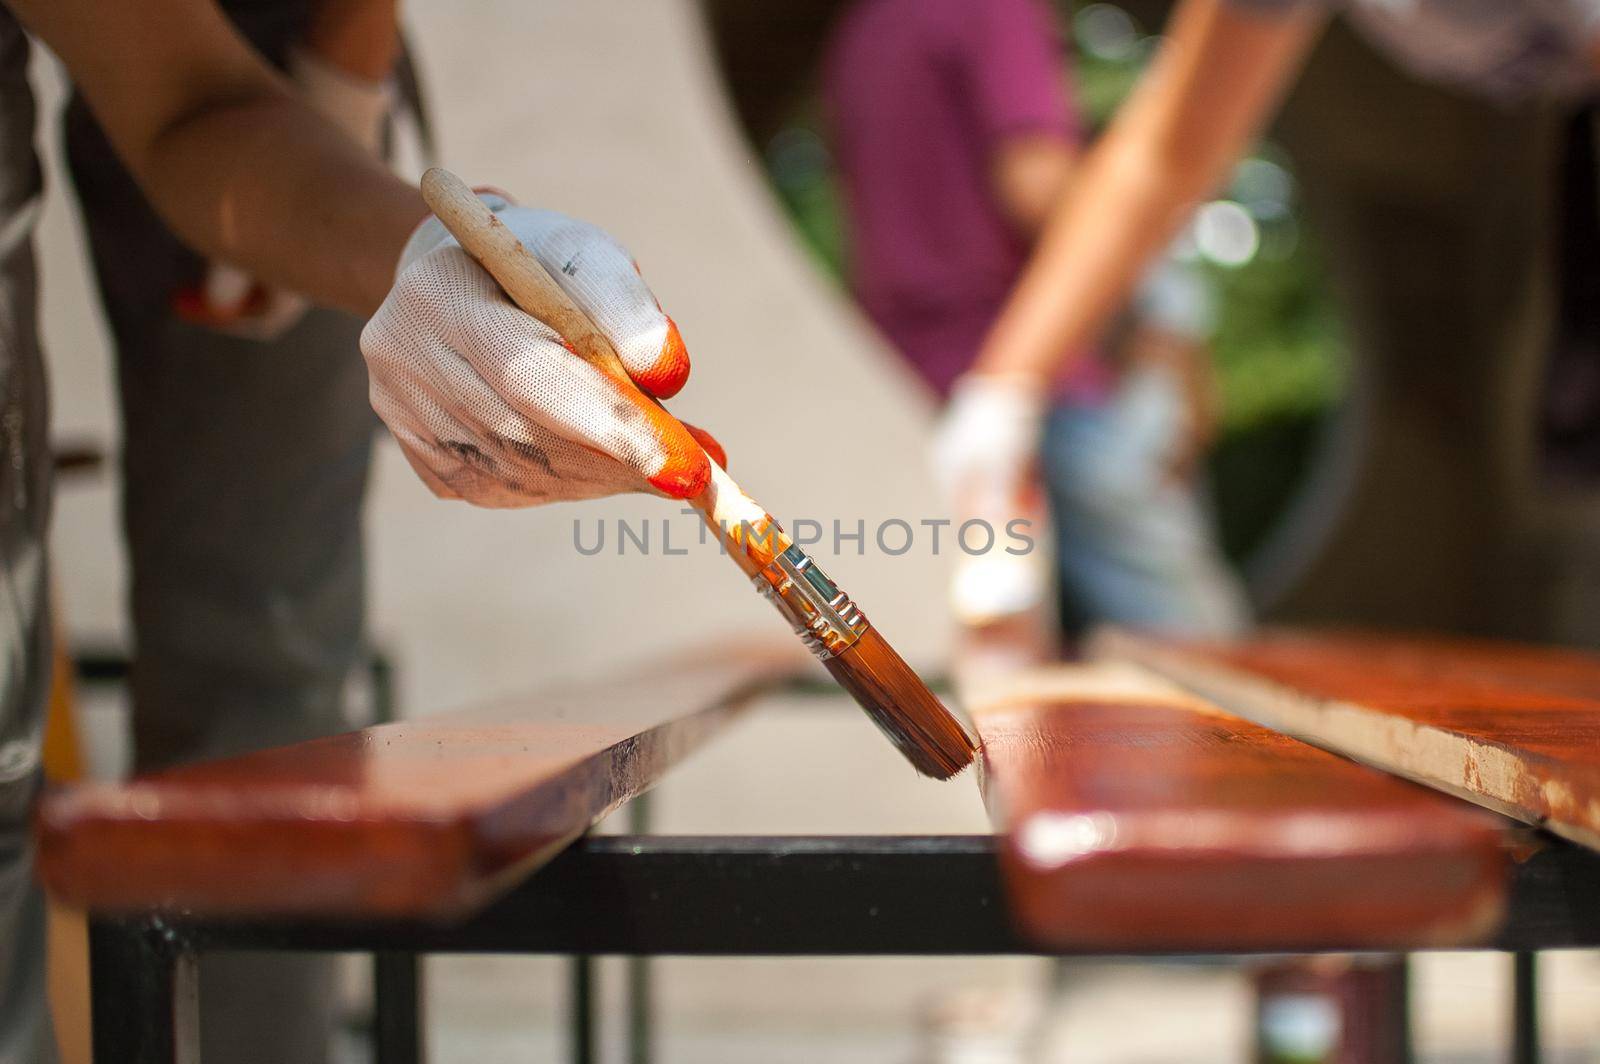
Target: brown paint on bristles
x=902 y=707
x=879 y=679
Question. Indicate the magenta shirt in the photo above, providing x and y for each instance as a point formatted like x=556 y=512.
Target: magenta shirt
x=919 y=94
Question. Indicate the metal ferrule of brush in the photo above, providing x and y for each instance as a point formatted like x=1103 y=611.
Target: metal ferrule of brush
x=822 y=615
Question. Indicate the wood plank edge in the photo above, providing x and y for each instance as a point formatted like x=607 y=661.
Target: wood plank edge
x=1488 y=776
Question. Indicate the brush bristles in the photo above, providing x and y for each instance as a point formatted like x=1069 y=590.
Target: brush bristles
x=902 y=707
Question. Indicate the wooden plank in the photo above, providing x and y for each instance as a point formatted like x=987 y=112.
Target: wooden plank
x=428 y=817
x=1514 y=728
x=1137 y=817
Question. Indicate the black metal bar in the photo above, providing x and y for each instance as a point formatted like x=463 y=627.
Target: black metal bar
x=928 y=895
x=380 y=673
x=1405 y=1043
x=584 y=1030
x=641 y=1024
x=1525 y=1007
x=640 y=1020
x=397 y=1009
x=618 y=894
x=100 y=665
x=144 y=1002
x=1552 y=902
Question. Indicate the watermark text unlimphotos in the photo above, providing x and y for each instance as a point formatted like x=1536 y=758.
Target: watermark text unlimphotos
x=893 y=536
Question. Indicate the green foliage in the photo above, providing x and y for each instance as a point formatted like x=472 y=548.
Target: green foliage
x=811 y=197
x=1278 y=346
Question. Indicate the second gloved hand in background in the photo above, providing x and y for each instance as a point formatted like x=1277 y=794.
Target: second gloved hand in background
x=986 y=463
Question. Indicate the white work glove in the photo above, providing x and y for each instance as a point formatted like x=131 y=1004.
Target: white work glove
x=488 y=403
x=985 y=462
x=228 y=299
x=988 y=439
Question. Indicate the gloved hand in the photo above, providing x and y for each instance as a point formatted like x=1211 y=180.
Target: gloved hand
x=985 y=461
x=488 y=403
x=228 y=299
x=987 y=443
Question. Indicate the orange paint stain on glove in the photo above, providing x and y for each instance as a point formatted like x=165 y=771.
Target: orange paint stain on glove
x=686 y=471
x=670 y=371
x=709 y=442
x=684 y=476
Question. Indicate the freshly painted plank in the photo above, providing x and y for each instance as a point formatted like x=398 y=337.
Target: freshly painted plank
x=426 y=817
x=1137 y=817
x=1511 y=727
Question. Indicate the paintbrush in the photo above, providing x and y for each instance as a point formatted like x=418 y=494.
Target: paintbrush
x=824 y=617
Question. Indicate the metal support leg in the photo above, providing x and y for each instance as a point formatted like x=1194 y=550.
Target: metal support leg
x=639 y=1019
x=640 y=1022
x=1405 y=1050
x=380 y=673
x=397 y=1008
x=582 y=1003
x=144 y=998
x=1525 y=1007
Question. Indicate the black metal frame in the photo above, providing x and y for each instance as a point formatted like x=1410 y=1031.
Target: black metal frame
x=692 y=896
x=697 y=896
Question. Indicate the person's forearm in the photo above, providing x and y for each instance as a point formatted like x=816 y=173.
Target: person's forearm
x=266 y=185
x=1086 y=263
x=239 y=168
x=1194 y=112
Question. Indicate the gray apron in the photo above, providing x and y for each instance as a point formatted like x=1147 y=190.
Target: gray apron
x=25 y=1036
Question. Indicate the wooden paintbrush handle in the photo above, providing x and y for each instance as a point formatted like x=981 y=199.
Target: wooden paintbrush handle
x=725 y=506
x=523 y=277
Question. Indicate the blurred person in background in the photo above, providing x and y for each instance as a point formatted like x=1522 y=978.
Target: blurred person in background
x=1435 y=178
x=957 y=137
x=955 y=133
x=248 y=416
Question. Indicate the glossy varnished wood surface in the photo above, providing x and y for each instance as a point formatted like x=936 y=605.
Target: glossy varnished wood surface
x=1137 y=817
x=421 y=818
x=1514 y=728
